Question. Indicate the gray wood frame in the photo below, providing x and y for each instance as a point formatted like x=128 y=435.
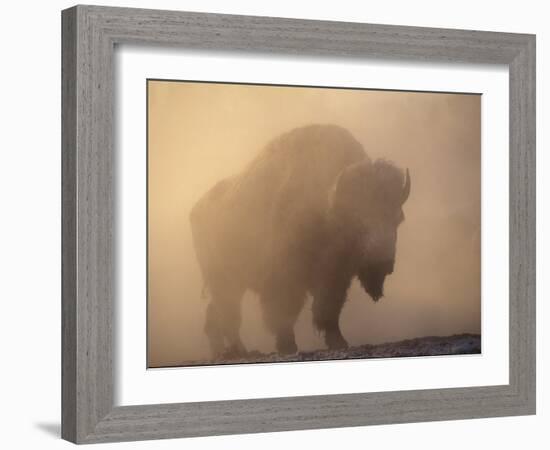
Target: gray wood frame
x=89 y=34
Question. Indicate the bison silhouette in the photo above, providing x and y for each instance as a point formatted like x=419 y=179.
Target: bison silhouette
x=306 y=216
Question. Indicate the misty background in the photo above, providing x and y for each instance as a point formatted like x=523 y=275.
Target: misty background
x=199 y=133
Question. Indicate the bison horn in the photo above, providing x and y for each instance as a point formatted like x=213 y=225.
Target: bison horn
x=406 y=187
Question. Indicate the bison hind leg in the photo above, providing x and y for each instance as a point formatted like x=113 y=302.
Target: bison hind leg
x=223 y=322
x=213 y=330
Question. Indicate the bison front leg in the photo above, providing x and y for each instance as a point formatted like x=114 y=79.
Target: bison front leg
x=328 y=302
x=223 y=322
x=281 y=306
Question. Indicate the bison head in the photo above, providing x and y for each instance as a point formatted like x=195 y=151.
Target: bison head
x=366 y=204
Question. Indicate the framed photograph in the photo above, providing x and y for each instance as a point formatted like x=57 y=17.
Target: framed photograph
x=303 y=230
x=278 y=224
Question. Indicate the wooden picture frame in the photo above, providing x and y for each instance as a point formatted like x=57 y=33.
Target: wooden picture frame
x=89 y=34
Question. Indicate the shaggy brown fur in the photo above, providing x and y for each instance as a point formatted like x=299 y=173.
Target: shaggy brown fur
x=309 y=213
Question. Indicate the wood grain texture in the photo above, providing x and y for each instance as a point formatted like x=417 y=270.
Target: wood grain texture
x=523 y=224
x=68 y=225
x=89 y=36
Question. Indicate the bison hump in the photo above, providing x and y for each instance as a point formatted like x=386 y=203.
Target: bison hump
x=309 y=158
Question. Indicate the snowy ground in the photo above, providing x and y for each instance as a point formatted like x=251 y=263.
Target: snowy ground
x=426 y=346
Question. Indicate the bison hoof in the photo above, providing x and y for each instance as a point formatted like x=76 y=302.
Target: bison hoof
x=234 y=352
x=336 y=341
x=285 y=347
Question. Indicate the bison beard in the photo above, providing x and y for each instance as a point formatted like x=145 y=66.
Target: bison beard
x=291 y=225
x=372 y=279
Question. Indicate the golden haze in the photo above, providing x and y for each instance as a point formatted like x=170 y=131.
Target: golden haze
x=200 y=133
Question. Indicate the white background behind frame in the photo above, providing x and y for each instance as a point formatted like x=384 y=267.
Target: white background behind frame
x=135 y=385
x=31 y=188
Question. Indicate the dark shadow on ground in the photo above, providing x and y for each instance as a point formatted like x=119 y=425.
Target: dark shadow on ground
x=51 y=428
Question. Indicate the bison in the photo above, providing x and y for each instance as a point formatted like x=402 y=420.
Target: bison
x=306 y=216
